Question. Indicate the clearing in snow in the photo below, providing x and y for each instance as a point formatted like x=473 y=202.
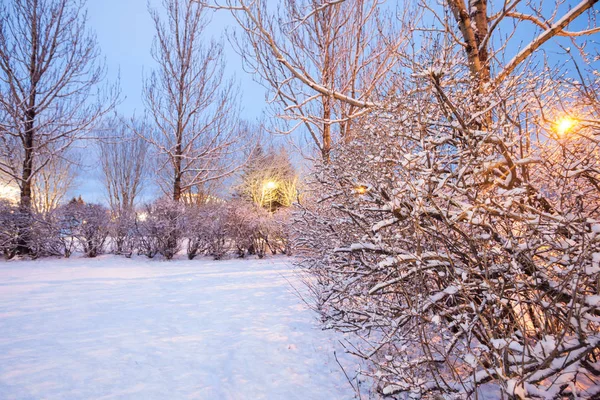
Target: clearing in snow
x=116 y=328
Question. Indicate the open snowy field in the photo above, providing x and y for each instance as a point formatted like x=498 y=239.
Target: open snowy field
x=115 y=328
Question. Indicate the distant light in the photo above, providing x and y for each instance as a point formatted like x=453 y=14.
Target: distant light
x=361 y=189
x=564 y=125
x=271 y=185
x=10 y=193
x=142 y=216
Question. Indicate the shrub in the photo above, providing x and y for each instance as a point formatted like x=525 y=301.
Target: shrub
x=240 y=215
x=215 y=228
x=86 y=225
x=123 y=232
x=161 y=229
x=94 y=229
x=11 y=219
x=193 y=228
x=65 y=223
x=280 y=237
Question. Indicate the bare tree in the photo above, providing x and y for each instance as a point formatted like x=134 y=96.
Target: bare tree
x=189 y=100
x=53 y=182
x=123 y=156
x=49 y=73
x=478 y=21
x=325 y=62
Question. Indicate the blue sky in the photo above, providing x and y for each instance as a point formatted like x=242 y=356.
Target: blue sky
x=124 y=30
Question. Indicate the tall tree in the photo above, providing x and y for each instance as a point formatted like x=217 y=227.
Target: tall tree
x=123 y=157
x=325 y=63
x=49 y=76
x=193 y=106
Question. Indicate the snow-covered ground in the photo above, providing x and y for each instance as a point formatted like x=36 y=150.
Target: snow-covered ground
x=114 y=328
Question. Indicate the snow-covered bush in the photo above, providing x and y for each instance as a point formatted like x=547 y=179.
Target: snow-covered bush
x=239 y=226
x=259 y=229
x=459 y=237
x=248 y=227
x=196 y=219
x=215 y=230
x=281 y=237
x=11 y=219
x=28 y=233
x=43 y=236
x=160 y=231
x=94 y=229
x=65 y=223
x=86 y=225
x=123 y=233
x=239 y=222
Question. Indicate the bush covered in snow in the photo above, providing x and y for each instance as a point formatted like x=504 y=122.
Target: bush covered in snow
x=206 y=230
x=161 y=228
x=123 y=233
x=11 y=219
x=464 y=250
x=214 y=228
x=81 y=226
x=160 y=231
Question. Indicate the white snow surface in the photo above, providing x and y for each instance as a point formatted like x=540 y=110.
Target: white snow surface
x=117 y=328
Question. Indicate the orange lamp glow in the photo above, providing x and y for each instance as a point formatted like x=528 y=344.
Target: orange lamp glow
x=361 y=189
x=564 y=125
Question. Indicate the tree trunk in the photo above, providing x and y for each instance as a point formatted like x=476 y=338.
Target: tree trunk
x=326 y=149
x=479 y=16
x=177 y=177
x=25 y=200
x=177 y=181
x=473 y=24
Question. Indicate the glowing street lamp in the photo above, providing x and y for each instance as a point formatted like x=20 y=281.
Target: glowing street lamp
x=270 y=185
x=143 y=216
x=361 y=189
x=564 y=125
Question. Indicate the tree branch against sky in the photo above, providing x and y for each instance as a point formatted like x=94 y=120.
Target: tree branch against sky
x=50 y=72
x=192 y=105
x=479 y=20
x=123 y=157
x=53 y=182
x=296 y=50
x=324 y=63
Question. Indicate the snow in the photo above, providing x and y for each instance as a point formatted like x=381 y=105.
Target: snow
x=116 y=328
x=593 y=300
